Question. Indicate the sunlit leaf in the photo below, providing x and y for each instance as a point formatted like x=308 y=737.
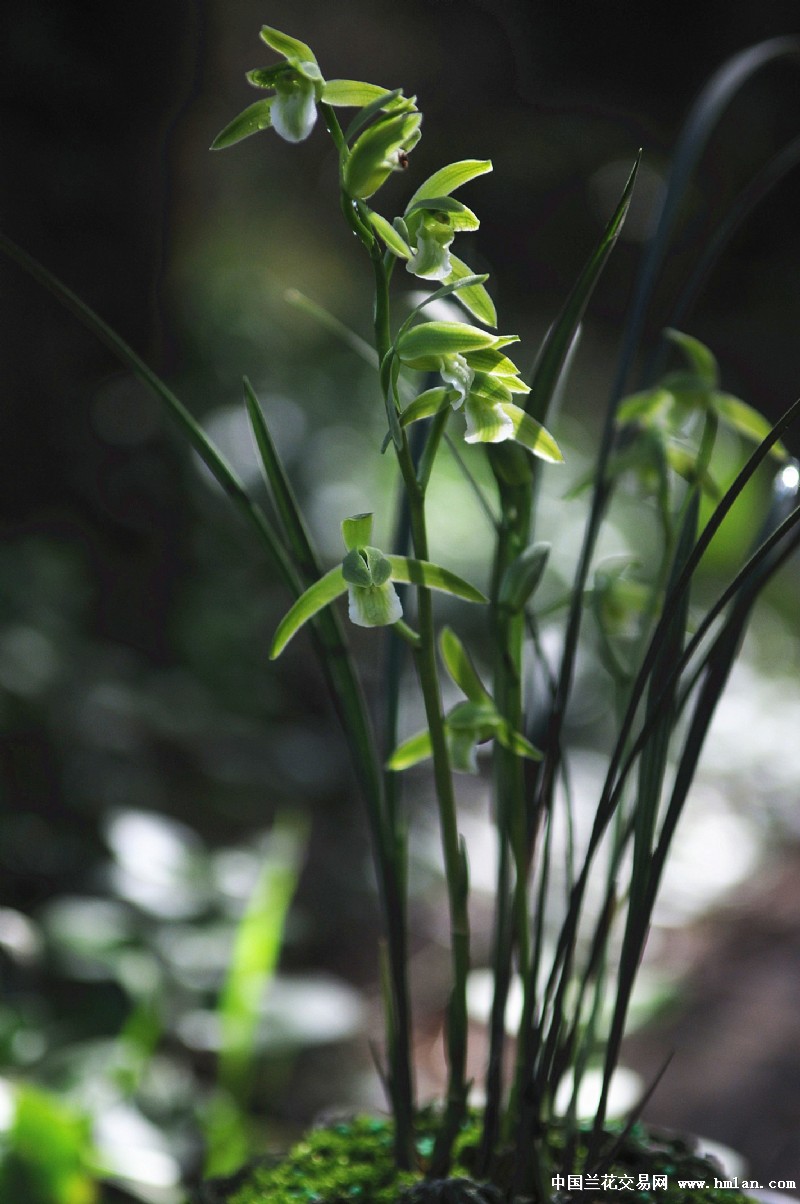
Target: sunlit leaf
x=47 y=1151
x=254 y=957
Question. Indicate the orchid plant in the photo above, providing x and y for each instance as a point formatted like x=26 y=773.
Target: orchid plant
x=668 y=674
x=649 y=437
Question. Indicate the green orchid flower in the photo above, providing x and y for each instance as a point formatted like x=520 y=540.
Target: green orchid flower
x=468 y=723
x=367 y=576
x=423 y=236
x=433 y=218
x=666 y=408
x=373 y=600
x=298 y=87
x=480 y=378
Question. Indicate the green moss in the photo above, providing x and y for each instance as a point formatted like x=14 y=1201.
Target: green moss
x=353 y=1163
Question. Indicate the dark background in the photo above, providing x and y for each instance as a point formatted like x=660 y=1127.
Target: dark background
x=144 y=690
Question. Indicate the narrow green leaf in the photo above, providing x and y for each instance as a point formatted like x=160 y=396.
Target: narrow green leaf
x=413 y=750
x=471 y=292
x=433 y=576
x=532 y=434
x=746 y=421
x=555 y=349
x=447 y=179
x=254 y=118
x=425 y=405
x=460 y=667
x=320 y=594
x=357 y=531
x=390 y=236
x=291 y=49
x=198 y=440
x=256 y=949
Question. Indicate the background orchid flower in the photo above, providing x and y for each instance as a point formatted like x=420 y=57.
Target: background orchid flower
x=367 y=574
x=469 y=723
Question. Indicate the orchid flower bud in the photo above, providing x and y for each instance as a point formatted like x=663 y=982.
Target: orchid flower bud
x=380 y=150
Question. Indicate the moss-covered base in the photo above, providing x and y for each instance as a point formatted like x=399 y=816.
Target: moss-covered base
x=352 y=1163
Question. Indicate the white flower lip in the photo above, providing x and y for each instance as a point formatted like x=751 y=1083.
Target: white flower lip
x=373 y=605
x=294 y=109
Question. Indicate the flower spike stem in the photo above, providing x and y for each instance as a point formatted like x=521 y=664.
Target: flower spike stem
x=425 y=661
